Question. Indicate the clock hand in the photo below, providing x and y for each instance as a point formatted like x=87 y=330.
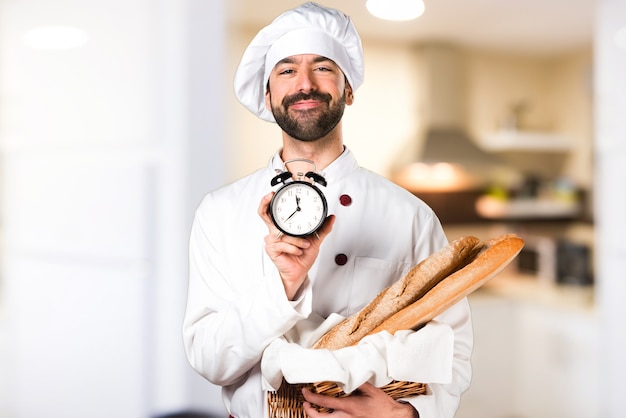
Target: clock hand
x=294 y=212
x=289 y=217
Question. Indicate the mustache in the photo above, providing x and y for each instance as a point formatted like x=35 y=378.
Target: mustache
x=314 y=95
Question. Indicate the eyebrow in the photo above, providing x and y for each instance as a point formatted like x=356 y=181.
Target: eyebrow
x=292 y=60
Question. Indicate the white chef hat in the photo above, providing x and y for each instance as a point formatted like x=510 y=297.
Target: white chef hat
x=307 y=29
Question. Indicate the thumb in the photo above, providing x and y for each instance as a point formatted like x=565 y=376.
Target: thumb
x=263 y=209
x=368 y=389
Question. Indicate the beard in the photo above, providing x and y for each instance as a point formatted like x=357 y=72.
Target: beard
x=309 y=125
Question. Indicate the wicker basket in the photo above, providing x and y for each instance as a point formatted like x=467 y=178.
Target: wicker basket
x=286 y=402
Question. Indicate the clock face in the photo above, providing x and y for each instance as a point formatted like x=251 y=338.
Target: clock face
x=298 y=209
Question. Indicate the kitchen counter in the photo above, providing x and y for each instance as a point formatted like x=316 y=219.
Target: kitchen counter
x=530 y=289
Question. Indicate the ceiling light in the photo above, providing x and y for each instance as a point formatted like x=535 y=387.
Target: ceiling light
x=395 y=9
x=55 y=37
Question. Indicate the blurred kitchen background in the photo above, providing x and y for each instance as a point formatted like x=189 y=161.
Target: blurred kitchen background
x=116 y=117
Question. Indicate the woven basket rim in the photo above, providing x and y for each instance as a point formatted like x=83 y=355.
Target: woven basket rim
x=287 y=401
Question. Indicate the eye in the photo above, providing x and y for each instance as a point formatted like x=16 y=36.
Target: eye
x=323 y=68
x=286 y=71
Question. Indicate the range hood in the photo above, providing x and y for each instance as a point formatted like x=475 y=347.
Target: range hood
x=442 y=106
x=448 y=158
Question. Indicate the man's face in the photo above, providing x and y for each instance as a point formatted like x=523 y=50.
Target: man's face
x=307 y=95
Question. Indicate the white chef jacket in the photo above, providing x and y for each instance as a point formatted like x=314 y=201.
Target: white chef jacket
x=236 y=302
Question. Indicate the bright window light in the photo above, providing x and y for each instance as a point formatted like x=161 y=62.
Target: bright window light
x=55 y=37
x=396 y=9
x=620 y=38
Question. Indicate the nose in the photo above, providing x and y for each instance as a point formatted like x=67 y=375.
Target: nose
x=306 y=81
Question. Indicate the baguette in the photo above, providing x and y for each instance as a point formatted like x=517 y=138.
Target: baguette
x=414 y=285
x=494 y=255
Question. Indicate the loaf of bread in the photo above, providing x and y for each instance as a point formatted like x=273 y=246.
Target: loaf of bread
x=427 y=290
x=419 y=280
x=494 y=255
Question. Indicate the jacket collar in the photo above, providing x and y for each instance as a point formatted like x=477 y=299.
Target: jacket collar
x=335 y=172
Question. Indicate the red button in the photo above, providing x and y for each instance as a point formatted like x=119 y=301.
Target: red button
x=345 y=200
x=341 y=259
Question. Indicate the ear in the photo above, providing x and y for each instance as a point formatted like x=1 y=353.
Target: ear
x=349 y=94
x=268 y=103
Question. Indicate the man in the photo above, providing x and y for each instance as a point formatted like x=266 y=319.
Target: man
x=250 y=284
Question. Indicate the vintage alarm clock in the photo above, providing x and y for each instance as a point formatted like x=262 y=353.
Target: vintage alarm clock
x=298 y=208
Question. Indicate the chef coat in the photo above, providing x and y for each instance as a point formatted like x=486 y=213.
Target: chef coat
x=236 y=301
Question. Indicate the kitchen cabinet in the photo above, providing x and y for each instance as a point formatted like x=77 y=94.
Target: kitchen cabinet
x=557 y=363
x=535 y=354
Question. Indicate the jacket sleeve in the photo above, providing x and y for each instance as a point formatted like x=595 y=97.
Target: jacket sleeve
x=442 y=400
x=230 y=320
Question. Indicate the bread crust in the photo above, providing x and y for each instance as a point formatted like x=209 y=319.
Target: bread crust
x=494 y=255
x=401 y=294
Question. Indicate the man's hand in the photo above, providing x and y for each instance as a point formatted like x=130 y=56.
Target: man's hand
x=367 y=402
x=292 y=256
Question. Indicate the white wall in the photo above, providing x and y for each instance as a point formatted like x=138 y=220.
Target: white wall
x=106 y=150
x=610 y=163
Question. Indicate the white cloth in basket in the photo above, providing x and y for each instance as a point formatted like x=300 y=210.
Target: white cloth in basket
x=378 y=358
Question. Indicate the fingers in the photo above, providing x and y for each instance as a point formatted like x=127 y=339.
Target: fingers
x=278 y=245
x=275 y=235
x=312 y=412
x=264 y=207
x=368 y=401
x=319 y=400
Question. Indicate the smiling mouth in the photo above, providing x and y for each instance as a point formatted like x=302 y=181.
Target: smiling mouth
x=306 y=101
x=306 y=105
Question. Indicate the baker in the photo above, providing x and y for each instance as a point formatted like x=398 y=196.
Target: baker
x=312 y=234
